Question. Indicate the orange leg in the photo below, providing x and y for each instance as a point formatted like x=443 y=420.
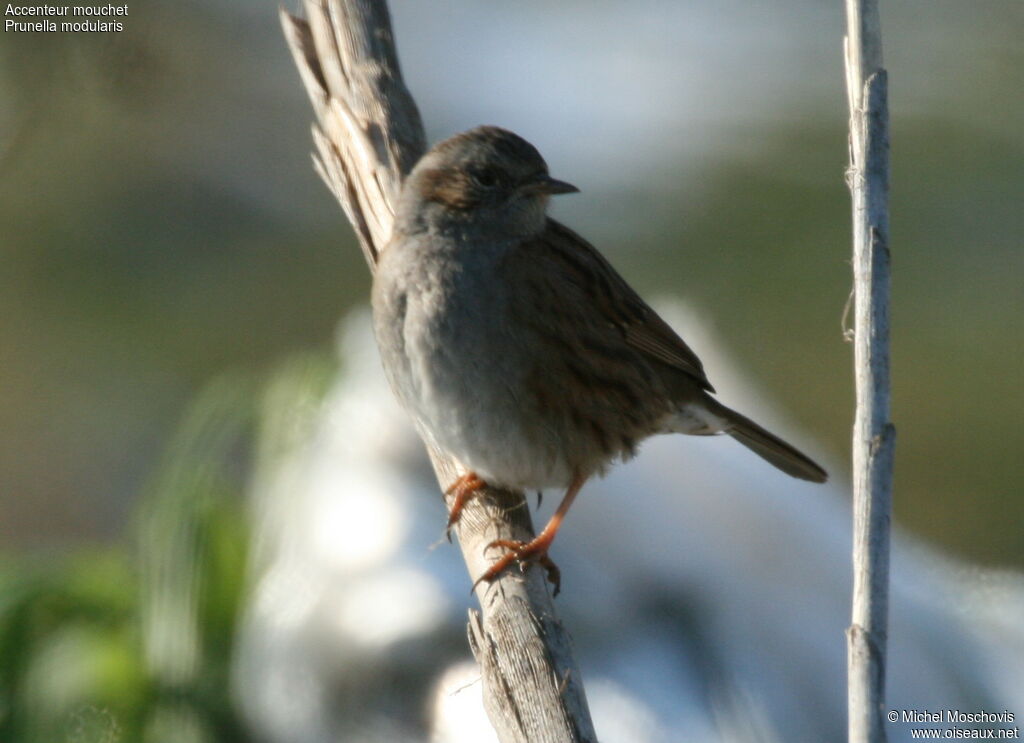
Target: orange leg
x=464 y=488
x=535 y=550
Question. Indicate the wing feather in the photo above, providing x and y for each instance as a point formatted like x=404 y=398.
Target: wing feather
x=640 y=326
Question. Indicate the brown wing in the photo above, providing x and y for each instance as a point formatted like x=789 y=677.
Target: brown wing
x=641 y=326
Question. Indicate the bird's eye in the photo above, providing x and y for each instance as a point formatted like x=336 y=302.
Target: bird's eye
x=486 y=178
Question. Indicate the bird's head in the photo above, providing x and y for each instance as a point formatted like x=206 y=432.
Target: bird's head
x=486 y=179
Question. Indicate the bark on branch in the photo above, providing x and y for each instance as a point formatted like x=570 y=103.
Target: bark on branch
x=368 y=135
x=873 y=434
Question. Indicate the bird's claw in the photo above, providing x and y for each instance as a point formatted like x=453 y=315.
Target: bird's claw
x=523 y=553
x=464 y=489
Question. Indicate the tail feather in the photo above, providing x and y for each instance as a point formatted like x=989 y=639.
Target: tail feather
x=767 y=445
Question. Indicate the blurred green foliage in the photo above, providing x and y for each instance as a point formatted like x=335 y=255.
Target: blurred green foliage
x=133 y=643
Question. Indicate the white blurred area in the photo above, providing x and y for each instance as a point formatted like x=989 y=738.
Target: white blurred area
x=706 y=593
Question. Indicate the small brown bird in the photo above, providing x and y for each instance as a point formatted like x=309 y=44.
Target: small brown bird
x=518 y=349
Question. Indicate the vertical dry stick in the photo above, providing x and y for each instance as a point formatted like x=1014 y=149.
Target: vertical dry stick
x=368 y=136
x=873 y=434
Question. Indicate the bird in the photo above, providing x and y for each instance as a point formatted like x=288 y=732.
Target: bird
x=517 y=348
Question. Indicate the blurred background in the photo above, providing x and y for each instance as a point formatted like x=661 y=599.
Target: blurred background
x=168 y=253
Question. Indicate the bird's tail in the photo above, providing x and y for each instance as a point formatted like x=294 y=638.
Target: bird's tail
x=766 y=445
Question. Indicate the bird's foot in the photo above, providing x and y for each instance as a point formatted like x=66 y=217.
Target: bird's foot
x=463 y=489
x=524 y=553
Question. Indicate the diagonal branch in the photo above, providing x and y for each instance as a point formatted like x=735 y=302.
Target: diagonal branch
x=368 y=135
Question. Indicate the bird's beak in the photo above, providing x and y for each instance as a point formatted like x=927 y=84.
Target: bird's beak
x=545 y=184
